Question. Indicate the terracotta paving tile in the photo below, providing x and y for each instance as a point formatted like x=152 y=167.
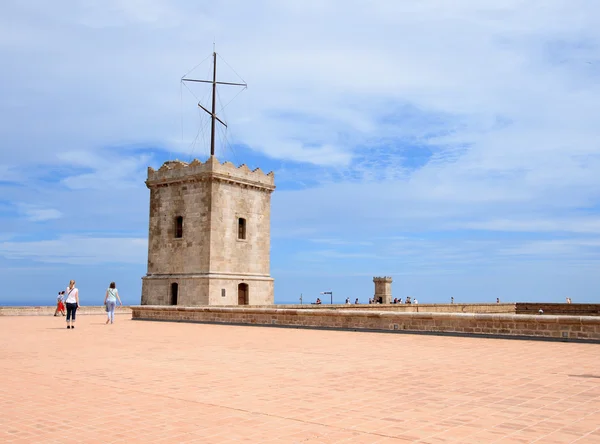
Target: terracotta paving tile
x=170 y=382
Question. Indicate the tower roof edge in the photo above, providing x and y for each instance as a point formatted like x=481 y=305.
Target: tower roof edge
x=176 y=170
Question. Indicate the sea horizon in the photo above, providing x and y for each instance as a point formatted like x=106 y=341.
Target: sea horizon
x=50 y=303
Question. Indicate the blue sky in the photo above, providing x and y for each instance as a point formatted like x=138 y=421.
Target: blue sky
x=454 y=146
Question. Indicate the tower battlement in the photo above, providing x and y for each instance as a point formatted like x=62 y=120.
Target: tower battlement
x=382 y=279
x=176 y=171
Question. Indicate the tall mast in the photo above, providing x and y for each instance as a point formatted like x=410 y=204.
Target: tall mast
x=213 y=113
x=214 y=97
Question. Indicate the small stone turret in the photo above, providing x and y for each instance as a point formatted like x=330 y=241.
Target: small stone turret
x=383 y=289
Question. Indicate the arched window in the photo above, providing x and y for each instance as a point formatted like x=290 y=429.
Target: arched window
x=179 y=227
x=174 y=293
x=241 y=228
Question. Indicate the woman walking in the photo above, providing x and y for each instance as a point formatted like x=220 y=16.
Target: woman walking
x=72 y=303
x=110 y=300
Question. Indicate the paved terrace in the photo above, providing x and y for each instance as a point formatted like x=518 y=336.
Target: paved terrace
x=138 y=381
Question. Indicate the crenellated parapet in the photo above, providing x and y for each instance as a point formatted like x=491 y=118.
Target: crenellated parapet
x=176 y=171
x=386 y=279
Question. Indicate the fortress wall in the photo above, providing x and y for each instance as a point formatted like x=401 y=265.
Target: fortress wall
x=559 y=309
x=409 y=308
x=532 y=308
x=49 y=311
x=501 y=325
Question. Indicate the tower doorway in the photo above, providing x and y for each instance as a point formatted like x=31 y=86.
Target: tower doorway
x=174 y=293
x=243 y=294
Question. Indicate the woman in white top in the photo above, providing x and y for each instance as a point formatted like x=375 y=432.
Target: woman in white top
x=72 y=303
x=110 y=300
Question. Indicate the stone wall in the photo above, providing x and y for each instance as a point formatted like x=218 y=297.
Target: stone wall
x=260 y=290
x=558 y=309
x=509 y=325
x=409 y=308
x=229 y=254
x=49 y=311
x=189 y=253
x=192 y=289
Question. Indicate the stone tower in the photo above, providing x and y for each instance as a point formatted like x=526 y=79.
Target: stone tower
x=383 y=289
x=209 y=237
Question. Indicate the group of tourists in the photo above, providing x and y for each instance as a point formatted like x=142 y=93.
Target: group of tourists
x=408 y=300
x=70 y=299
x=377 y=301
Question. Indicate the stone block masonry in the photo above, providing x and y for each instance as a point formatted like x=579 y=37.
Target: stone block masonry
x=582 y=328
x=49 y=310
x=209 y=235
x=558 y=309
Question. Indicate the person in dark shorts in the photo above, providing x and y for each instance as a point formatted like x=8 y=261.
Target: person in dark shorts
x=72 y=303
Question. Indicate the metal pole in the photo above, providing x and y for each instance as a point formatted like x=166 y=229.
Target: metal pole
x=331 y=293
x=214 y=96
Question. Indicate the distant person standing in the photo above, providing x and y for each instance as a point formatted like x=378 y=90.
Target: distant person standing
x=568 y=300
x=452 y=300
x=72 y=302
x=60 y=306
x=416 y=301
x=110 y=300
x=356 y=301
x=497 y=300
x=347 y=300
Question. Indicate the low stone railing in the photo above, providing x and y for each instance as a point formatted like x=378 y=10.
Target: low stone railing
x=410 y=308
x=558 y=309
x=504 y=325
x=49 y=311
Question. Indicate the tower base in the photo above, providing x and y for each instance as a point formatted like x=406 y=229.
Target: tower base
x=207 y=289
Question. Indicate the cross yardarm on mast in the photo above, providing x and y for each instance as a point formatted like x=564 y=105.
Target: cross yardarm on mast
x=213 y=115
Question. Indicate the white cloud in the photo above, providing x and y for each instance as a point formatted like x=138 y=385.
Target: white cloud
x=324 y=255
x=9 y=174
x=340 y=242
x=569 y=225
x=472 y=63
x=79 y=250
x=434 y=256
x=106 y=172
x=116 y=13
x=580 y=249
x=41 y=214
